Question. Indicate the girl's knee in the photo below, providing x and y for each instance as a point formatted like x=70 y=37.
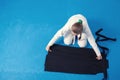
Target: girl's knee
x=82 y=46
x=67 y=42
x=82 y=43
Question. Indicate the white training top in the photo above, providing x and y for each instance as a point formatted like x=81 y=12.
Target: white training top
x=86 y=30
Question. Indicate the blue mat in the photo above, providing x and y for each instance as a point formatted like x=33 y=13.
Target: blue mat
x=26 y=26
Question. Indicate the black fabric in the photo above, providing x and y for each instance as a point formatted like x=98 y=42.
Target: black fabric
x=101 y=38
x=74 y=60
x=104 y=50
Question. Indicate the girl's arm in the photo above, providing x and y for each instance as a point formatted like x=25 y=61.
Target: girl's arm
x=91 y=39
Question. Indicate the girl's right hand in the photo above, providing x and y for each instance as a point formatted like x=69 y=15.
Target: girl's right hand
x=48 y=49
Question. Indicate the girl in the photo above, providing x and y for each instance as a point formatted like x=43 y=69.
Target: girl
x=76 y=26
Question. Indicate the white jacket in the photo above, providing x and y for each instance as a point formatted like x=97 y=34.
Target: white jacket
x=86 y=30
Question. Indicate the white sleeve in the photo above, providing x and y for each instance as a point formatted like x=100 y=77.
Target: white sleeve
x=59 y=34
x=91 y=39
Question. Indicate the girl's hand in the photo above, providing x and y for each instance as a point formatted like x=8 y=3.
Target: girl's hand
x=48 y=49
x=99 y=57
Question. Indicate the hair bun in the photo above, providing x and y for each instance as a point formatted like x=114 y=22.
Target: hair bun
x=80 y=21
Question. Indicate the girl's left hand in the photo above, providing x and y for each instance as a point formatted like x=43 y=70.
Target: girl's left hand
x=99 y=57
